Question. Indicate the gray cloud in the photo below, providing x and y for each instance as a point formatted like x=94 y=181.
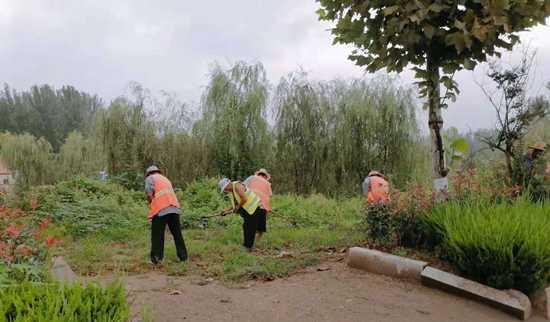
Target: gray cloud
x=99 y=46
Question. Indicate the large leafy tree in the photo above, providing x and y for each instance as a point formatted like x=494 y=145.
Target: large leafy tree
x=438 y=37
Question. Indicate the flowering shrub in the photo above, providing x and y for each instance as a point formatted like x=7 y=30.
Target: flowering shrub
x=23 y=247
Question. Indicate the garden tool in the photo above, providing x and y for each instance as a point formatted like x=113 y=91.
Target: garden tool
x=204 y=219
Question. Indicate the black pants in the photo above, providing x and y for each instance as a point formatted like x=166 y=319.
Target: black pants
x=158 y=227
x=262 y=221
x=250 y=223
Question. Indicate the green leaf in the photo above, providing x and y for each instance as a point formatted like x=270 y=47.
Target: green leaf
x=457 y=40
x=447 y=81
x=469 y=64
x=460 y=145
x=321 y=13
x=429 y=31
x=390 y=10
x=435 y=7
x=457 y=157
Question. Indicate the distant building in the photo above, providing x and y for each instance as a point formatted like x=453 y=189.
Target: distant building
x=7 y=178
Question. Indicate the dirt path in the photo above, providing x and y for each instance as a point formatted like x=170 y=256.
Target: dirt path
x=337 y=294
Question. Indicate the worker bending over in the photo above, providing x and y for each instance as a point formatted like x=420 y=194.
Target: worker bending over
x=259 y=183
x=165 y=210
x=376 y=189
x=244 y=202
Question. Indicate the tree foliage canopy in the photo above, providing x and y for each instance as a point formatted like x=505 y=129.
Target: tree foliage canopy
x=454 y=34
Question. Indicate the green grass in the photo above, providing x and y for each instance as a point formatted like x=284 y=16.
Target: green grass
x=54 y=302
x=214 y=252
x=505 y=245
x=105 y=229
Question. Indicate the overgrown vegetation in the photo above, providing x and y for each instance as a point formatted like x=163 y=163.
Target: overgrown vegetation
x=104 y=228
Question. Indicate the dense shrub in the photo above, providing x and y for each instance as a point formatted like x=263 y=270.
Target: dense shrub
x=380 y=224
x=503 y=245
x=53 y=302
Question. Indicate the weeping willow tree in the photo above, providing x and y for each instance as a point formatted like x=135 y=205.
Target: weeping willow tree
x=233 y=120
x=80 y=155
x=127 y=137
x=32 y=158
x=375 y=128
x=302 y=134
x=183 y=158
x=331 y=134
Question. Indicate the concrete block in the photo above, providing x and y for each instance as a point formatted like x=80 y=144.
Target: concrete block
x=62 y=272
x=541 y=302
x=512 y=301
x=386 y=264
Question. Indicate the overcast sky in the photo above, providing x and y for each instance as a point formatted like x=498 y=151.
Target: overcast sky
x=100 y=46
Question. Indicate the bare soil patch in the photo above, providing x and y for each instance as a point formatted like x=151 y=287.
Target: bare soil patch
x=329 y=292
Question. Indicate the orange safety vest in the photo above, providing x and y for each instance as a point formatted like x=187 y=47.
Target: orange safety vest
x=164 y=196
x=379 y=190
x=262 y=188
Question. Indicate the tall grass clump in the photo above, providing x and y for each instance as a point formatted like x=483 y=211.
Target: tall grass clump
x=505 y=245
x=54 y=302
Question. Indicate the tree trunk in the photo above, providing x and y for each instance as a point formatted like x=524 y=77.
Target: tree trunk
x=508 y=157
x=435 y=122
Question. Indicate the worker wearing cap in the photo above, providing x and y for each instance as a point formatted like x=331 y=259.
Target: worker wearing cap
x=376 y=188
x=165 y=210
x=259 y=183
x=529 y=164
x=244 y=202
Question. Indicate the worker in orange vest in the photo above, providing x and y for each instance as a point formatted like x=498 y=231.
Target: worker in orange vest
x=259 y=183
x=376 y=188
x=165 y=210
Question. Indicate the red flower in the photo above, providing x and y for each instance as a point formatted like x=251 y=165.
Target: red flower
x=44 y=224
x=37 y=234
x=50 y=241
x=14 y=231
x=3 y=247
x=34 y=203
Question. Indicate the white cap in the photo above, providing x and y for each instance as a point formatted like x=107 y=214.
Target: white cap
x=223 y=183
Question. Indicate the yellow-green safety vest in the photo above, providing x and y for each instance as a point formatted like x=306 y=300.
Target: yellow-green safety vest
x=252 y=201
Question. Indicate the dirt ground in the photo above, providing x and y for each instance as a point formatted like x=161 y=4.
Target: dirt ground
x=330 y=292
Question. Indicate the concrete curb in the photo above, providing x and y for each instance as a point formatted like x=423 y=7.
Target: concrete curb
x=541 y=302
x=512 y=301
x=62 y=272
x=386 y=264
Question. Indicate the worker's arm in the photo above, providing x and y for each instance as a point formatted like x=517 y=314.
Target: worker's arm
x=150 y=188
x=242 y=193
x=366 y=185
